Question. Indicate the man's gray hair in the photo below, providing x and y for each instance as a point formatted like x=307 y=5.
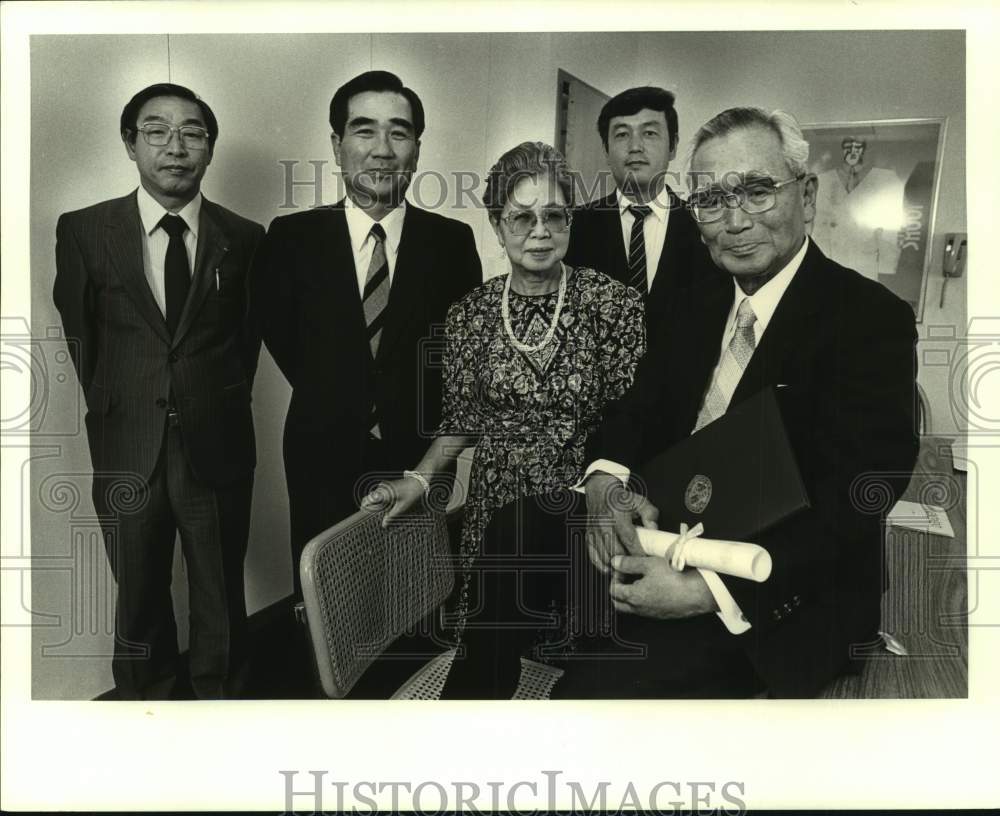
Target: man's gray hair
x=793 y=144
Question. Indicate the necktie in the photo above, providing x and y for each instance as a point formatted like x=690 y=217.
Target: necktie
x=177 y=271
x=637 y=249
x=374 y=299
x=734 y=361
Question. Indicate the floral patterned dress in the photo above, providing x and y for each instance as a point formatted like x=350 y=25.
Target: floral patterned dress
x=531 y=412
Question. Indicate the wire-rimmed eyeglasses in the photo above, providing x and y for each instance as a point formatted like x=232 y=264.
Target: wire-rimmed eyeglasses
x=159 y=135
x=754 y=196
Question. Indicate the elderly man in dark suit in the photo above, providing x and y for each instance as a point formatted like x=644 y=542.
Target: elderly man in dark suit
x=842 y=348
x=350 y=298
x=152 y=290
x=641 y=234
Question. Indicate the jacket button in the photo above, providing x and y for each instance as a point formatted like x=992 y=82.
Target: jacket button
x=173 y=357
x=161 y=403
x=787 y=608
x=776 y=614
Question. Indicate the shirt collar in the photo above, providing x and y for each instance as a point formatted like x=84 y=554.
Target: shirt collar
x=359 y=225
x=765 y=300
x=659 y=205
x=152 y=211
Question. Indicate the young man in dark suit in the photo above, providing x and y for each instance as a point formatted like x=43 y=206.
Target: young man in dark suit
x=350 y=298
x=152 y=291
x=642 y=234
x=841 y=347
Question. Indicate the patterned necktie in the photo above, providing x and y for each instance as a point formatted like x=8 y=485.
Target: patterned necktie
x=375 y=298
x=731 y=367
x=637 y=249
x=176 y=269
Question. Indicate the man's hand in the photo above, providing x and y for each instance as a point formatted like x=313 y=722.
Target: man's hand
x=611 y=509
x=660 y=591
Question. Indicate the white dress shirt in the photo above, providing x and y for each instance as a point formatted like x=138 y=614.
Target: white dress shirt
x=764 y=302
x=155 y=240
x=359 y=225
x=654 y=229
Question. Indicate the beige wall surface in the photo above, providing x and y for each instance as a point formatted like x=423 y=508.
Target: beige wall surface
x=483 y=93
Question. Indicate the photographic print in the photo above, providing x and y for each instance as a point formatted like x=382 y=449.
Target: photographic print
x=878 y=184
x=604 y=387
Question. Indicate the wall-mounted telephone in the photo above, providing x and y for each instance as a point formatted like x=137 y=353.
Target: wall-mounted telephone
x=956 y=253
x=956 y=250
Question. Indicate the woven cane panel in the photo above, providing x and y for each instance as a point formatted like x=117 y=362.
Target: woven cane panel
x=536 y=683
x=369 y=585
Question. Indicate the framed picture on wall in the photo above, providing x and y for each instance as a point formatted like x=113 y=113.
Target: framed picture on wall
x=877 y=198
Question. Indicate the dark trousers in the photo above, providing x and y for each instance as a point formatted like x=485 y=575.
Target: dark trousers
x=535 y=562
x=140 y=527
x=519 y=591
x=316 y=504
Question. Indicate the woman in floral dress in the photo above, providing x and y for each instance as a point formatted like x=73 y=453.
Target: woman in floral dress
x=531 y=360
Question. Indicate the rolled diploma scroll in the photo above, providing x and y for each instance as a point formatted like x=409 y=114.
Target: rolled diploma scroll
x=736 y=558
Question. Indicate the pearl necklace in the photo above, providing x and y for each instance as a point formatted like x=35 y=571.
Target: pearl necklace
x=550 y=333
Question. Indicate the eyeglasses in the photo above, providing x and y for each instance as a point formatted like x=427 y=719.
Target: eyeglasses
x=754 y=196
x=192 y=137
x=522 y=222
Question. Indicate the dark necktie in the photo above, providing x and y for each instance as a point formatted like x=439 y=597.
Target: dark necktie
x=374 y=299
x=177 y=271
x=637 y=249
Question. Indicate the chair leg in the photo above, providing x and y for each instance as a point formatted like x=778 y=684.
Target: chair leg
x=310 y=687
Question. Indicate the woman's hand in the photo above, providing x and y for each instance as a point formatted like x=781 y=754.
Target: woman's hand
x=396 y=498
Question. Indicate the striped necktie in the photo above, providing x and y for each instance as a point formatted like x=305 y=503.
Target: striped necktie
x=376 y=292
x=731 y=366
x=637 y=249
x=374 y=299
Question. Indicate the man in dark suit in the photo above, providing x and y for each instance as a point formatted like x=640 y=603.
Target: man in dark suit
x=842 y=348
x=642 y=234
x=152 y=290
x=350 y=298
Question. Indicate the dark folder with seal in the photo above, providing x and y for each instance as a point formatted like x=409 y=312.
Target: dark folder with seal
x=737 y=475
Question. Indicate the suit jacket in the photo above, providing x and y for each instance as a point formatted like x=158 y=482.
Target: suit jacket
x=844 y=347
x=596 y=241
x=127 y=363
x=313 y=324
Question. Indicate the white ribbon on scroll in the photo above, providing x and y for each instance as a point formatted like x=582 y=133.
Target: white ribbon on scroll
x=737 y=558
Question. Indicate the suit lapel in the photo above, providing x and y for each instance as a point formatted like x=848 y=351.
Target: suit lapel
x=796 y=311
x=124 y=244
x=612 y=237
x=213 y=244
x=676 y=245
x=406 y=280
x=700 y=341
x=336 y=259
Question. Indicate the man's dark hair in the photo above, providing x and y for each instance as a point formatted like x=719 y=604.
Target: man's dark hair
x=379 y=81
x=634 y=100
x=130 y=113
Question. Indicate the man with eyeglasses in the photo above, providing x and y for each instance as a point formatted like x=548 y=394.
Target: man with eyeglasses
x=152 y=291
x=841 y=348
x=641 y=234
